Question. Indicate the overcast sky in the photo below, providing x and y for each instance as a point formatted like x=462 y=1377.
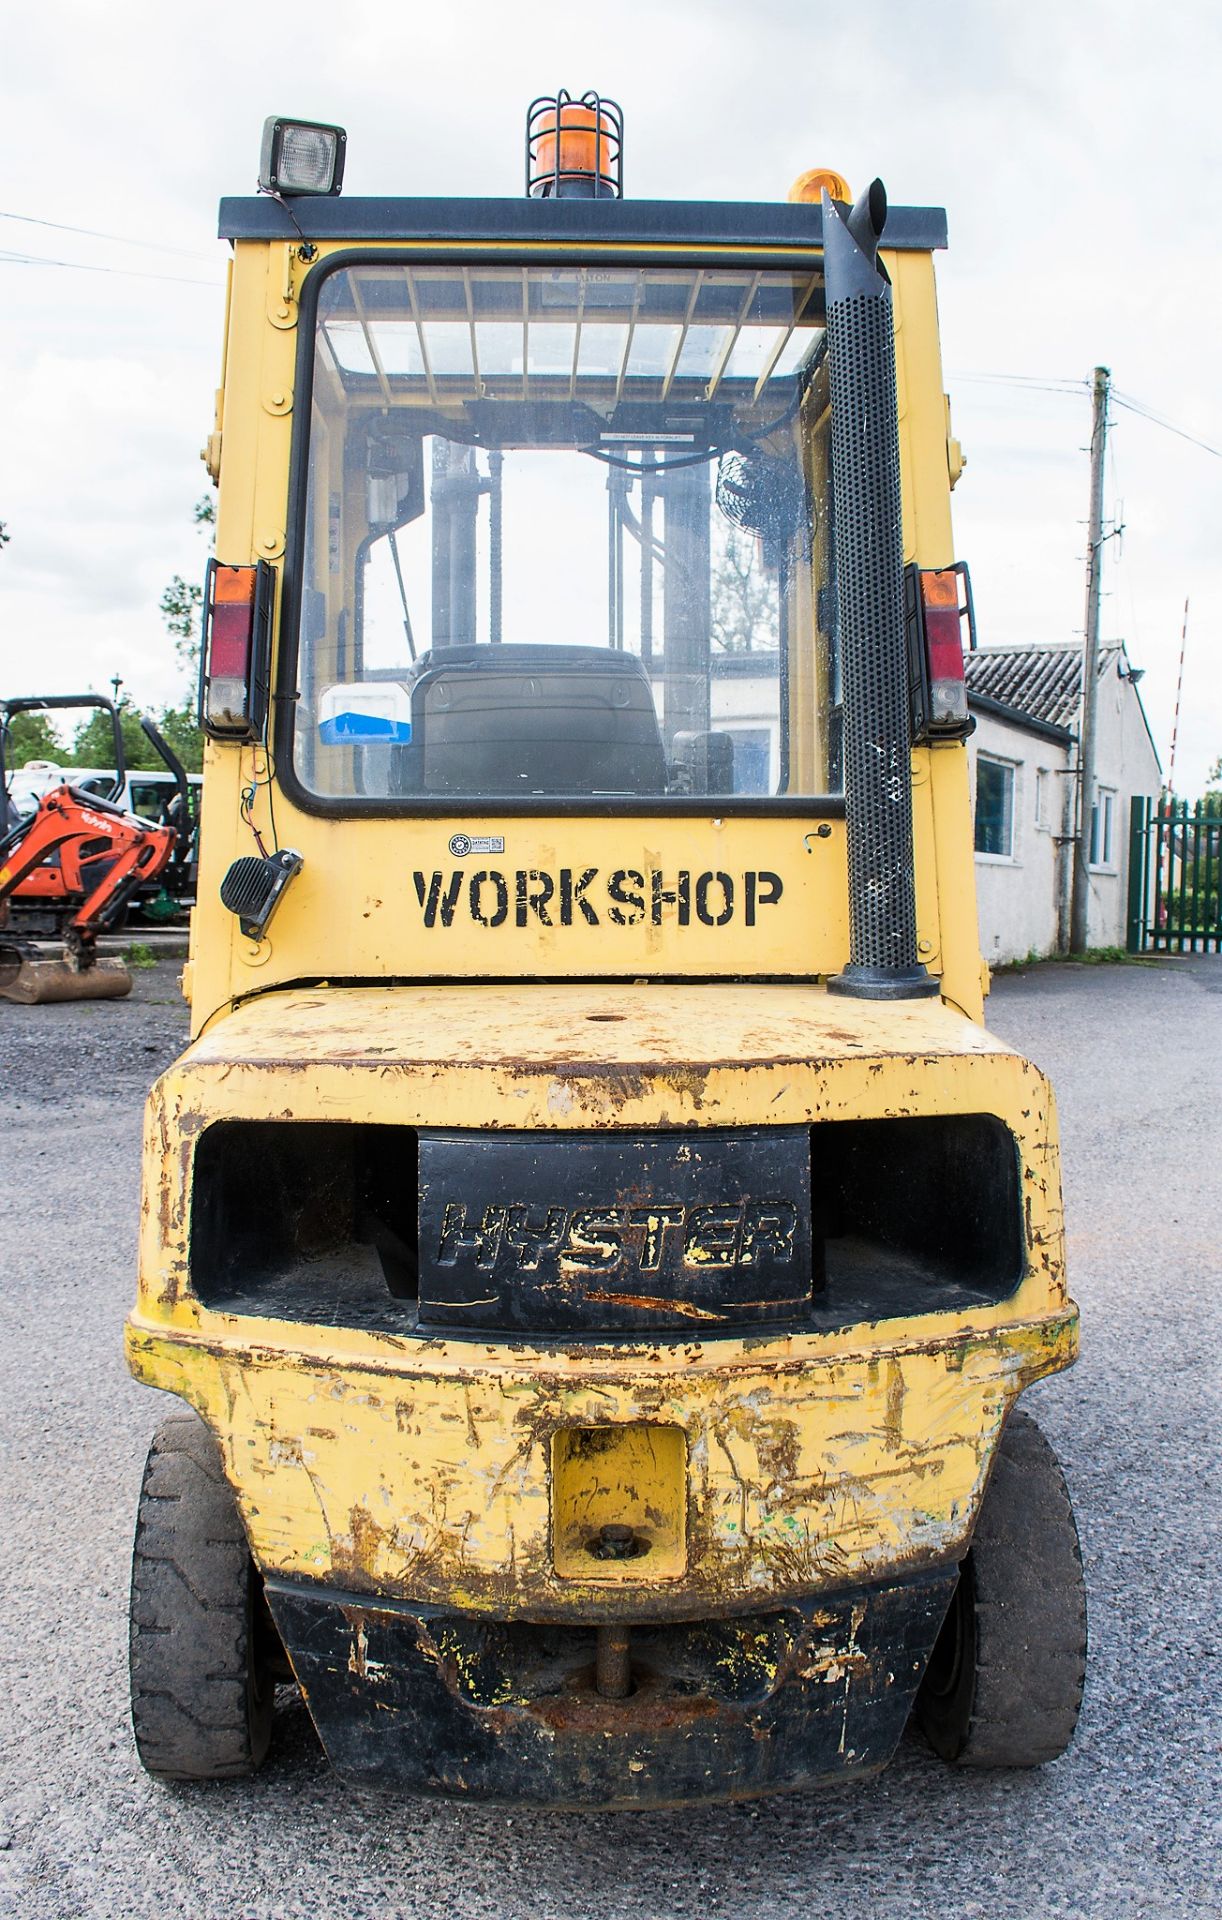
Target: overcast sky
x=1073 y=144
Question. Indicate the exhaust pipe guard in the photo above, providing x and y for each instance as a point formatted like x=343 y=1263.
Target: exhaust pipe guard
x=869 y=558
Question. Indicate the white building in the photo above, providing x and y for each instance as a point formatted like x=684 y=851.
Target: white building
x=1023 y=758
x=744 y=699
x=743 y=696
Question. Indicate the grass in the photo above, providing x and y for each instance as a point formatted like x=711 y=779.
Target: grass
x=1093 y=957
x=139 y=956
x=1110 y=957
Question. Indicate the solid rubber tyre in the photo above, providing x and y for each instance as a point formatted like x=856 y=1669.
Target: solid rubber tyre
x=1004 y=1682
x=202 y=1644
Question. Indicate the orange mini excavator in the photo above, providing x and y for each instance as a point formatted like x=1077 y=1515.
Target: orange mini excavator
x=72 y=865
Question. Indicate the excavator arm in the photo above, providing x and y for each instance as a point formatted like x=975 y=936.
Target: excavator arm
x=82 y=855
x=92 y=837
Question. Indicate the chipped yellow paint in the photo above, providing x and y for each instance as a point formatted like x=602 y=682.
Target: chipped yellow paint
x=422 y=1469
x=619 y=1474
x=683 y=1055
x=791 y=1487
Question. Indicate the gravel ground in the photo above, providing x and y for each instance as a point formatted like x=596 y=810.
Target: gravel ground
x=1127 y=1824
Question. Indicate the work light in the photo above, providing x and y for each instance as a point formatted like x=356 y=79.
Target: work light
x=301 y=156
x=574 y=148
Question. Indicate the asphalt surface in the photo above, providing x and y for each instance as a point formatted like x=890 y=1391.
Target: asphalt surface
x=1126 y=1824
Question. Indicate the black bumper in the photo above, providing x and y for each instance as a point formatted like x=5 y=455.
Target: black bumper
x=427 y=1702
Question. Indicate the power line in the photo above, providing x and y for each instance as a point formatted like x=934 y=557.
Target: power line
x=8 y=259
x=95 y=233
x=1031 y=381
x=1168 y=426
x=1036 y=383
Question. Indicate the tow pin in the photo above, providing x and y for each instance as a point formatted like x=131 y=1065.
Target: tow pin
x=616 y=1542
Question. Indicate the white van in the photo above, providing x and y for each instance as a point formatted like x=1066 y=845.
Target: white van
x=145 y=790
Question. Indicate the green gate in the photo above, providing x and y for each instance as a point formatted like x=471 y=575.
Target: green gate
x=1175 y=865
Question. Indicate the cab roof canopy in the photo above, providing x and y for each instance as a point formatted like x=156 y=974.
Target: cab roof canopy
x=626 y=223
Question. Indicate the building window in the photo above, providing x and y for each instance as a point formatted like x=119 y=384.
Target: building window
x=1102 y=829
x=995 y=808
x=752 y=754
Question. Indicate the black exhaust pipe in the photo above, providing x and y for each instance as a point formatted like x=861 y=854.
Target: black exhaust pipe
x=869 y=557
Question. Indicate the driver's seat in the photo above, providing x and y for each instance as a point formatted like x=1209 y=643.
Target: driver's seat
x=509 y=721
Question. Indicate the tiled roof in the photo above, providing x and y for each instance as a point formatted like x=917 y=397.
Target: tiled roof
x=1043 y=681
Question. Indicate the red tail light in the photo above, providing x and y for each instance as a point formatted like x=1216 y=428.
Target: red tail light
x=236 y=651
x=935 y=652
x=944 y=649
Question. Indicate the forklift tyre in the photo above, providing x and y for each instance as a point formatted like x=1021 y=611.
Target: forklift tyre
x=1004 y=1682
x=201 y=1649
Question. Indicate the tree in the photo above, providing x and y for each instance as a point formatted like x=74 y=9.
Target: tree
x=182 y=602
x=31 y=736
x=744 y=595
x=180 y=725
x=93 y=744
x=182 y=609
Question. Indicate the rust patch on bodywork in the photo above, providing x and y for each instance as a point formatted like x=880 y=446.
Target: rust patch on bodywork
x=420 y=1469
x=651 y=1303
x=795 y=1482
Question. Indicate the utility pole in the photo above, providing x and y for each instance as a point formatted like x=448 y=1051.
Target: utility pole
x=1166 y=799
x=1179 y=692
x=1090 y=666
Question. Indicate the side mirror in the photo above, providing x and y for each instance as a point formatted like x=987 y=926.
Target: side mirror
x=394 y=481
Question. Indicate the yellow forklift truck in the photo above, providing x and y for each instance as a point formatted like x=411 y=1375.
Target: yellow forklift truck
x=597 y=1241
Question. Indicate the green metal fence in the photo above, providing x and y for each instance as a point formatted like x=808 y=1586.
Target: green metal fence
x=1175 y=870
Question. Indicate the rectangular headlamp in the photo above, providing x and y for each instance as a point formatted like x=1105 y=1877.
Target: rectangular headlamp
x=301 y=156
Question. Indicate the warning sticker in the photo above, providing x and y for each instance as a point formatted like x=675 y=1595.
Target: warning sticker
x=461 y=844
